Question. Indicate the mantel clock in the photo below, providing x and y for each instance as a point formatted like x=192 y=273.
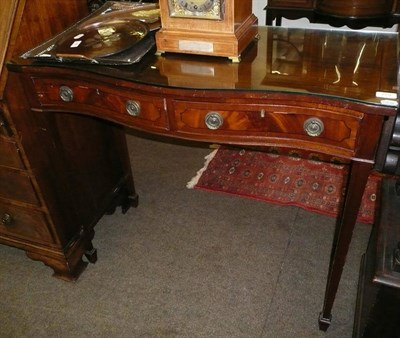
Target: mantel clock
x=206 y=27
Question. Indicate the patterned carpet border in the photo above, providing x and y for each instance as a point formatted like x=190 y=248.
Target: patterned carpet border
x=281 y=179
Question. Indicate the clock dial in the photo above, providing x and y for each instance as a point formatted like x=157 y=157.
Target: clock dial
x=203 y=9
x=196 y=5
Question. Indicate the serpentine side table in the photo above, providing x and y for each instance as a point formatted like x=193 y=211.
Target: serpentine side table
x=330 y=92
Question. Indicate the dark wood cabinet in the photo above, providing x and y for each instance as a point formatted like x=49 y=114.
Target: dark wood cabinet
x=354 y=13
x=355 y=8
x=377 y=309
x=47 y=209
x=292 y=3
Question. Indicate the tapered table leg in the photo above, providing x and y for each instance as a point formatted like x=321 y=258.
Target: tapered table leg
x=356 y=181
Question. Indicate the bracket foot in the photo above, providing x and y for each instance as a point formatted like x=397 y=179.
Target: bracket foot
x=91 y=255
x=324 y=322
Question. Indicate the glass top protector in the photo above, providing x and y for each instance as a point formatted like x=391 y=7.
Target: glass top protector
x=346 y=64
x=356 y=65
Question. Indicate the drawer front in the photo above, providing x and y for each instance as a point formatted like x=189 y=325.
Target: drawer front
x=4 y=127
x=119 y=105
x=291 y=3
x=355 y=8
x=262 y=122
x=25 y=223
x=9 y=154
x=16 y=185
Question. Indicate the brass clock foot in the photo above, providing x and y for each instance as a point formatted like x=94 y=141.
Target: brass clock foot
x=235 y=59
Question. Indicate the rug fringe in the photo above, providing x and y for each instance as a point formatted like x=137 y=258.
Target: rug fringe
x=192 y=183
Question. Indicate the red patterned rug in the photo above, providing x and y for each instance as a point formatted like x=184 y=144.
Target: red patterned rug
x=283 y=179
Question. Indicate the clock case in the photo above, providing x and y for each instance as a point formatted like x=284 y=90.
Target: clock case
x=227 y=37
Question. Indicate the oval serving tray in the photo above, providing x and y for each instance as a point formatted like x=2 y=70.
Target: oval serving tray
x=101 y=39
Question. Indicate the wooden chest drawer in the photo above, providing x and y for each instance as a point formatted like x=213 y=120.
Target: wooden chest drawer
x=9 y=153
x=294 y=124
x=16 y=185
x=119 y=105
x=291 y=3
x=22 y=222
x=4 y=127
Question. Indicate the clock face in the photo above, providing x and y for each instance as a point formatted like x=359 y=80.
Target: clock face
x=202 y=9
x=196 y=5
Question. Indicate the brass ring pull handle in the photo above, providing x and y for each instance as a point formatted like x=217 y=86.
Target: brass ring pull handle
x=133 y=108
x=7 y=219
x=2 y=122
x=66 y=93
x=313 y=126
x=213 y=120
x=4 y=128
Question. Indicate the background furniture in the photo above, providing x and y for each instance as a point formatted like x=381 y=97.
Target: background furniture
x=355 y=14
x=378 y=311
x=45 y=220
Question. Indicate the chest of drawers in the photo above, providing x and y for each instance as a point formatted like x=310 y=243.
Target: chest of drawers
x=37 y=215
x=20 y=208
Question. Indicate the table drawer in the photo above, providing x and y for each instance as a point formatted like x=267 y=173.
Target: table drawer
x=318 y=124
x=22 y=222
x=9 y=153
x=118 y=104
x=16 y=185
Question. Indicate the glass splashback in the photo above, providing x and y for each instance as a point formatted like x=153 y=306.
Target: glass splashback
x=356 y=65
